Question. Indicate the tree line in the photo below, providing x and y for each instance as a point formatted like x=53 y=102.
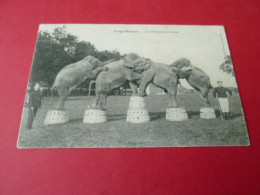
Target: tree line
x=57 y=49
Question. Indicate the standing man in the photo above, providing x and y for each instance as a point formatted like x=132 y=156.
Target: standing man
x=222 y=95
x=34 y=103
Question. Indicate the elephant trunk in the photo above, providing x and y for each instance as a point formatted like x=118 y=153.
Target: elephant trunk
x=100 y=64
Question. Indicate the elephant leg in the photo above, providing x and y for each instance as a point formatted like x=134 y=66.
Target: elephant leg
x=172 y=91
x=134 y=88
x=102 y=101
x=61 y=103
x=89 y=88
x=134 y=76
x=146 y=80
x=63 y=94
x=169 y=98
x=204 y=95
x=95 y=103
x=94 y=73
x=173 y=98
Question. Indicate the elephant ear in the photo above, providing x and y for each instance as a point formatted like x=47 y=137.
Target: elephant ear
x=147 y=64
x=126 y=63
x=180 y=63
x=130 y=57
x=95 y=62
x=91 y=62
x=142 y=65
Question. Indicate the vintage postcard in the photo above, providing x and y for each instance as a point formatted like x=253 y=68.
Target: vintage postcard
x=118 y=86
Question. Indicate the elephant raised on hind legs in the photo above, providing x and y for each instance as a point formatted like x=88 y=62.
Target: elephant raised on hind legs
x=159 y=75
x=117 y=74
x=198 y=79
x=74 y=74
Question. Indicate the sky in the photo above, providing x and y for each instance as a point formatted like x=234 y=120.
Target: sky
x=204 y=46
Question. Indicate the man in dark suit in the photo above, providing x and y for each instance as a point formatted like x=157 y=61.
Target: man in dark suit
x=34 y=104
x=222 y=95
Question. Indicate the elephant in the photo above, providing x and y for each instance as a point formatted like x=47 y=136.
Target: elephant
x=74 y=74
x=117 y=74
x=198 y=79
x=159 y=75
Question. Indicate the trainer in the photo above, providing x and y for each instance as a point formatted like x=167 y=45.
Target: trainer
x=222 y=94
x=34 y=103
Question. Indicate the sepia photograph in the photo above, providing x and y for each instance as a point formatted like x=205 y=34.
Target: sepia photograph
x=131 y=86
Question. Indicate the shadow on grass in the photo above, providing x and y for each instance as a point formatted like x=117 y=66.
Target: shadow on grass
x=116 y=117
x=76 y=120
x=236 y=115
x=77 y=98
x=232 y=115
x=191 y=113
x=120 y=117
x=154 y=116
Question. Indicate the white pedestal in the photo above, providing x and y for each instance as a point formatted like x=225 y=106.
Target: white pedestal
x=136 y=102
x=137 y=116
x=137 y=112
x=56 y=117
x=176 y=114
x=94 y=116
x=207 y=113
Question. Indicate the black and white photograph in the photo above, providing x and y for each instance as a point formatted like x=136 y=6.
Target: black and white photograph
x=132 y=86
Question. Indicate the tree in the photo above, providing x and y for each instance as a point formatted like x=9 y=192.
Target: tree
x=52 y=53
x=56 y=50
x=83 y=49
x=227 y=66
x=106 y=55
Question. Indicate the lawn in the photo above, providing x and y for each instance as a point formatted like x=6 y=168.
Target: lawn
x=118 y=133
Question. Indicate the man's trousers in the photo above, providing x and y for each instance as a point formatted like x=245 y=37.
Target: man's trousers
x=224 y=105
x=31 y=116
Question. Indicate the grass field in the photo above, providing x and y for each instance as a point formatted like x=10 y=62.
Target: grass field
x=118 y=133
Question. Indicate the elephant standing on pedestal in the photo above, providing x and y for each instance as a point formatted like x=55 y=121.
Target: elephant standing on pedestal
x=199 y=80
x=158 y=74
x=74 y=74
x=117 y=74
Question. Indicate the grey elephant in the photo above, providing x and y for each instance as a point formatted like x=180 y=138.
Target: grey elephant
x=74 y=74
x=117 y=74
x=198 y=79
x=159 y=75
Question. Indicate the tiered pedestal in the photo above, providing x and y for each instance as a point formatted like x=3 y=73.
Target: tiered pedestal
x=94 y=116
x=56 y=117
x=176 y=114
x=207 y=113
x=136 y=112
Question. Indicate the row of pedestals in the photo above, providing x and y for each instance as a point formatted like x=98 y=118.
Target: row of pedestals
x=136 y=113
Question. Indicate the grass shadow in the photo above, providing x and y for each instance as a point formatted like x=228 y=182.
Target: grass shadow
x=116 y=117
x=77 y=98
x=232 y=115
x=236 y=115
x=153 y=116
x=191 y=113
x=76 y=120
x=156 y=115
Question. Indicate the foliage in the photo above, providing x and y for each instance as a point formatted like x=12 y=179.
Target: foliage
x=58 y=49
x=227 y=66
